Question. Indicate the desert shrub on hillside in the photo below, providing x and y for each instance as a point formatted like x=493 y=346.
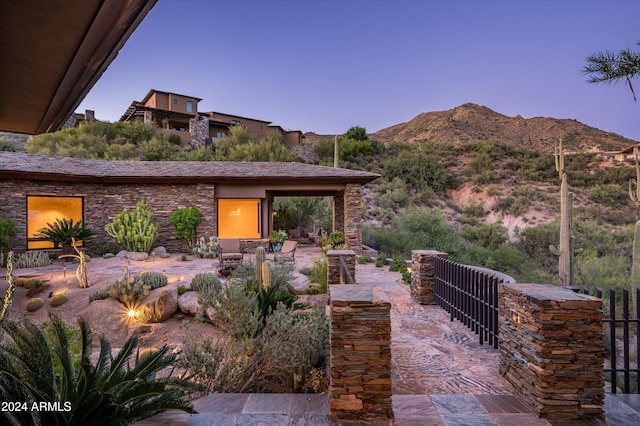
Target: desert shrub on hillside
x=417 y=169
x=611 y=195
x=157 y=148
x=489 y=236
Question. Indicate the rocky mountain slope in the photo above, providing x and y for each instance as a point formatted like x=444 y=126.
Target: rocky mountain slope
x=471 y=122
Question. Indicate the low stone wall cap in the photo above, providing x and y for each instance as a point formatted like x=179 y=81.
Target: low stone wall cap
x=544 y=292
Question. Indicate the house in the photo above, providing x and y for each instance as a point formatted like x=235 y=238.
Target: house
x=235 y=199
x=628 y=153
x=179 y=115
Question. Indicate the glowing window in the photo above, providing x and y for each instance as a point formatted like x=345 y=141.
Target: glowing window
x=43 y=210
x=238 y=218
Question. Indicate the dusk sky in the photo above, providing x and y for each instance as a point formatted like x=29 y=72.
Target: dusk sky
x=325 y=66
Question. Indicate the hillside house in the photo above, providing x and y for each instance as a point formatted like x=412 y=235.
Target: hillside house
x=628 y=153
x=178 y=114
x=235 y=199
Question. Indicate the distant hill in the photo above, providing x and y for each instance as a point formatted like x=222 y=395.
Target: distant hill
x=470 y=122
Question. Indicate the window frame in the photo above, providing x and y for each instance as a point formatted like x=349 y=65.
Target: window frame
x=35 y=240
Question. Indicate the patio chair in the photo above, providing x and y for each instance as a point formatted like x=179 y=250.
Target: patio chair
x=229 y=251
x=288 y=252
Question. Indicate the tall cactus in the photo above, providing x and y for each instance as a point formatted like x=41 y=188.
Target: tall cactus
x=634 y=194
x=565 y=250
x=261 y=255
x=8 y=297
x=266 y=275
x=134 y=231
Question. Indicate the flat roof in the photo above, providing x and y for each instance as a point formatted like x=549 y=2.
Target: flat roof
x=66 y=169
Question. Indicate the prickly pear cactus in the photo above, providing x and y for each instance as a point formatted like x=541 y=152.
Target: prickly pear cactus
x=134 y=231
x=128 y=289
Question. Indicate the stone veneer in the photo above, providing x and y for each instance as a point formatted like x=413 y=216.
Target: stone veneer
x=199 y=131
x=552 y=351
x=103 y=202
x=422 y=275
x=334 y=266
x=360 y=363
x=353 y=217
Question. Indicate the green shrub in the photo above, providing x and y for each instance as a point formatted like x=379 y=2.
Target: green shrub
x=610 y=195
x=475 y=209
x=205 y=282
x=185 y=221
x=398 y=265
x=157 y=149
x=181 y=290
x=7 y=229
x=363 y=259
x=317 y=274
x=488 y=236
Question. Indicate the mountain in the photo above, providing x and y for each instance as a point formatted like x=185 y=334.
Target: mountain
x=471 y=122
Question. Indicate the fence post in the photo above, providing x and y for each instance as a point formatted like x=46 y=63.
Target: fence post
x=422 y=275
x=552 y=350
x=360 y=354
x=333 y=265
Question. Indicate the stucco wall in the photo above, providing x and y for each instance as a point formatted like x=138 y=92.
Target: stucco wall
x=103 y=202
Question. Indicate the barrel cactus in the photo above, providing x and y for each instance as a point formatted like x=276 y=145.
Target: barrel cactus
x=34 y=304
x=58 y=300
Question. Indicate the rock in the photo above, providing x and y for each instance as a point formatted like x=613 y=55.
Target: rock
x=160 y=305
x=159 y=251
x=105 y=317
x=137 y=255
x=188 y=303
x=122 y=254
x=299 y=285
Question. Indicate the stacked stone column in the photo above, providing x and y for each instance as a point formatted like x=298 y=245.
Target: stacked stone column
x=422 y=275
x=552 y=350
x=360 y=339
x=334 y=266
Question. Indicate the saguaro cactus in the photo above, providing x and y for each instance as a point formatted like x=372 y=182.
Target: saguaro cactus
x=565 y=249
x=261 y=255
x=634 y=194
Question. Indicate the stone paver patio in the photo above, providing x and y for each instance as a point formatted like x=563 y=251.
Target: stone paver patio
x=441 y=376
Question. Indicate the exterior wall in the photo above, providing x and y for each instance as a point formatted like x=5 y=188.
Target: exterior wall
x=422 y=275
x=338 y=213
x=360 y=351
x=255 y=127
x=353 y=217
x=293 y=138
x=103 y=202
x=163 y=100
x=552 y=350
x=199 y=131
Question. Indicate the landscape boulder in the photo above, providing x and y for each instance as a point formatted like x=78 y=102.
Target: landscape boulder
x=188 y=303
x=160 y=305
x=137 y=255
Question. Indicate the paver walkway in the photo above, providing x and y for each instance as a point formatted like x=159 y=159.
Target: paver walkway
x=440 y=376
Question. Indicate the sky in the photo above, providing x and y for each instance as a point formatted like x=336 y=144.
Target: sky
x=327 y=65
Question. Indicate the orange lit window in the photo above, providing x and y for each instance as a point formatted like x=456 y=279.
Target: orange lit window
x=238 y=218
x=43 y=210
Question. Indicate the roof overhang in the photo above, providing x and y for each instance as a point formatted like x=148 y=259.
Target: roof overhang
x=53 y=52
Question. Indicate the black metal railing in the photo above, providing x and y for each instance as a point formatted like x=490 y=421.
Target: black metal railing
x=345 y=275
x=621 y=333
x=470 y=295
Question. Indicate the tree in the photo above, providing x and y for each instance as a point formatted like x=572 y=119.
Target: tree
x=357 y=133
x=610 y=67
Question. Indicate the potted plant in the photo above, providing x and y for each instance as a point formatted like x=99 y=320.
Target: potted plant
x=277 y=239
x=62 y=232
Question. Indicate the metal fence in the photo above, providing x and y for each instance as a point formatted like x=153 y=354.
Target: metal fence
x=621 y=323
x=470 y=295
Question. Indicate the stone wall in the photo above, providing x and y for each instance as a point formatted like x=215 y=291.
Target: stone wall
x=552 y=351
x=334 y=266
x=338 y=213
x=360 y=340
x=422 y=275
x=199 y=131
x=103 y=202
x=353 y=217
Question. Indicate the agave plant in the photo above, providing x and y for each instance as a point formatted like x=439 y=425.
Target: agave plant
x=109 y=392
x=63 y=231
